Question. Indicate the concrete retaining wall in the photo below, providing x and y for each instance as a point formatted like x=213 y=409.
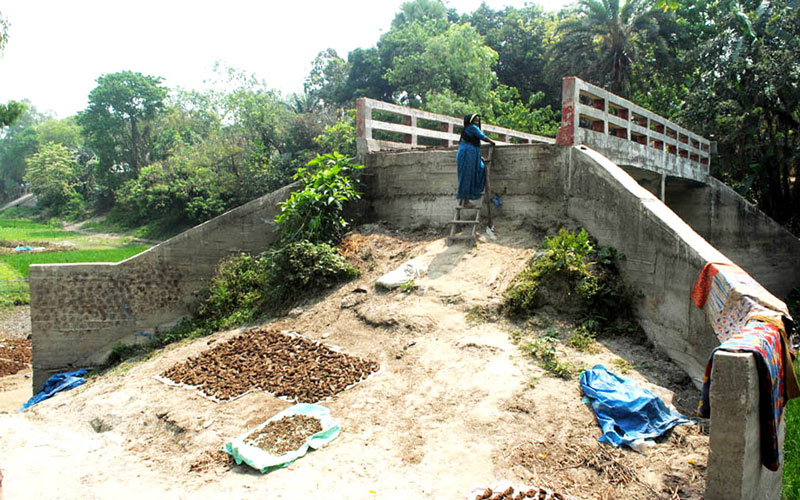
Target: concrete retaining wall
x=415 y=189
x=664 y=255
x=761 y=246
x=549 y=184
x=80 y=311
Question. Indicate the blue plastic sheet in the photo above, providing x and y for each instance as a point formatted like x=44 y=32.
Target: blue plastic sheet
x=23 y=249
x=59 y=382
x=625 y=411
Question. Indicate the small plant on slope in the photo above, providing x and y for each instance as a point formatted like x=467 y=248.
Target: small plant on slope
x=316 y=213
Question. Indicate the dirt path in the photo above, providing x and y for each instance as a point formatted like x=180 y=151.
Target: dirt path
x=455 y=407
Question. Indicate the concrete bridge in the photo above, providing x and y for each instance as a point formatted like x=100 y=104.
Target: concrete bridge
x=635 y=180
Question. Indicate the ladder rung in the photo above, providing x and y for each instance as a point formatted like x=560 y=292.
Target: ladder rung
x=464 y=222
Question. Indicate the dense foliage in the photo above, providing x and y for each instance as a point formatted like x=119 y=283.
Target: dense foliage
x=316 y=213
x=303 y=262
x=726 y=69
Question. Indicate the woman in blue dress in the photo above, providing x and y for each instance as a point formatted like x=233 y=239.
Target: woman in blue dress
x=471 y=169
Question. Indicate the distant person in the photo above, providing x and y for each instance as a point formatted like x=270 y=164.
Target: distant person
x=471 y=169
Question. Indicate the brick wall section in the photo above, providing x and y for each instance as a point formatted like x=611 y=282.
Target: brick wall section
x=80 y=311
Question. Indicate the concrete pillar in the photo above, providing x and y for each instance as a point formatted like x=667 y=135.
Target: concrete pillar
x=734 y=462
x=663 y=187
x=446 y=127
x=569 y=99
x=362 y=112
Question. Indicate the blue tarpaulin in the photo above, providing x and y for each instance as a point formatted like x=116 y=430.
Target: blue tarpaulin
x=625 y=411
x=23 y=249
x=57 y=383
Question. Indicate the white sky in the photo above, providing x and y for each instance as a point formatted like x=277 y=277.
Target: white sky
x=57 y=49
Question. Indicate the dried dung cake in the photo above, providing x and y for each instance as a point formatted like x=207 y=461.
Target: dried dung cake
x=285 y=365
x=15 y=355
x=284 y=435
x=512 y=493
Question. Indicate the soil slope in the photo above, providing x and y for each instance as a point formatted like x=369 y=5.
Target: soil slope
x=457 y=405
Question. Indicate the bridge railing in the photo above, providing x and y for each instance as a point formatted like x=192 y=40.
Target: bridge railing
x=385 y=126
x=629 y=134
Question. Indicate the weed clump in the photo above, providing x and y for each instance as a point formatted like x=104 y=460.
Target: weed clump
x=574 y=274
x=544 y=350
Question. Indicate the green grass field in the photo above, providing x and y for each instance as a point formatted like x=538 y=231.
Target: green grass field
x=14 y=267
x=19 y=262
x=791 y=449
x=24 y=231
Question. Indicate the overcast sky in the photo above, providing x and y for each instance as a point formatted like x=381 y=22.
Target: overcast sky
x=57 y=49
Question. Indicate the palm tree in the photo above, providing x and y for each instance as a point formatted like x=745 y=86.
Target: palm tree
x=602 y=41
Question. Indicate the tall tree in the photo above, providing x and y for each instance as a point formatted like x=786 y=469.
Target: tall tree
x=52 y=175
x=3 y=32
x=422 y=11
x=119 y=123
x=519 y=37
x=366 y=76
x=327 y=80
x=13 y=110
x=17 y=144
x=603 y=40
x=747 y=97
x=455 y=61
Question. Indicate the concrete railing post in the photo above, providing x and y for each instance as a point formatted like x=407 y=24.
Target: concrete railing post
x=569 y=119
x=448 y=128
x=734 y=463
x=363 y=113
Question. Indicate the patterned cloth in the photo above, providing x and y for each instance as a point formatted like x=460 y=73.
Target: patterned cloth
x=747 y=318
x=731 y=298
x=764 y=341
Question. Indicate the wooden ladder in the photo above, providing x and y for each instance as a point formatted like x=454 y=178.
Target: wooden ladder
x=459 y=221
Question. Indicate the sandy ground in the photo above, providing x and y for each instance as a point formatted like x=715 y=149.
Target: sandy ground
x=457 y=406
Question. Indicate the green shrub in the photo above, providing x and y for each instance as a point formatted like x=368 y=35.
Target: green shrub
x=340 y=136
x=316 y=213
x=246 y=288
x=589 y=274
x=175 y=191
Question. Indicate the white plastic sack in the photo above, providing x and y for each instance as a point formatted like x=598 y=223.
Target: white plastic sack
x=409 y=271
x=263 y=461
